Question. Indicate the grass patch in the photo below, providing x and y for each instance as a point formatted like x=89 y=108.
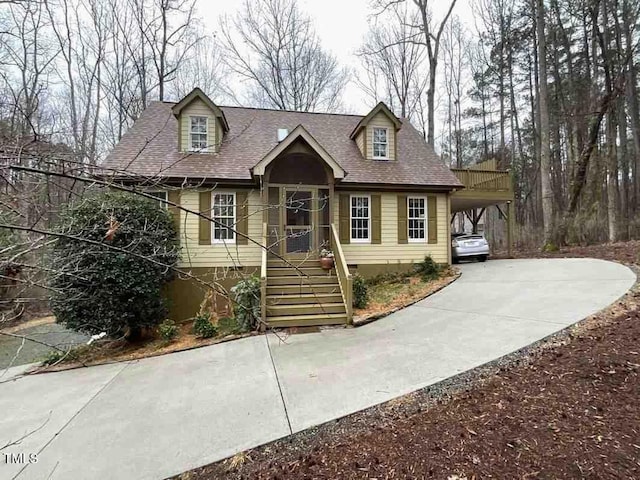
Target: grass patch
x=385 y=292
x=392 y=291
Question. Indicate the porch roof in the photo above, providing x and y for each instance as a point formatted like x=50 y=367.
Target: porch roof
x=299 y=133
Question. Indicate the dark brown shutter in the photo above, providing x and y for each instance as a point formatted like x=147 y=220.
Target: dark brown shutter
x=376 y=219
x=402 y=219
x=204 y=230
x=432 y=218
x=242 y=218
x=345 y=218
x=174 y=197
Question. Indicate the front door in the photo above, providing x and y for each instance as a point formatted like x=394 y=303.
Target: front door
x=298 y=223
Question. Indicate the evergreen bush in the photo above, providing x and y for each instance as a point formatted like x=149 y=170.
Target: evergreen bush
x=360 y=292
x=100 y=289
x=168 y=330
x=203 y=327
x=428 y=269
x=247 y=302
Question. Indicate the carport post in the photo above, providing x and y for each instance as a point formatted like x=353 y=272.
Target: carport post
x=510 y=213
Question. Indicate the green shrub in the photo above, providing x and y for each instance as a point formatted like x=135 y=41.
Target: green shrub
x=360 y=292
x=428 y=269
x=203 y=327
x=55 y=356
x=247 y=302
x=168 y=330
x=228 y=326
x=99 y=289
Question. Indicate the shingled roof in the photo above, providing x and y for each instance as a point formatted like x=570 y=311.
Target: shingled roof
x=150 y=148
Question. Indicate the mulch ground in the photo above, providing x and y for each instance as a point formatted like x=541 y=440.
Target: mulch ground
x=150 y=345
x=567 y=407
x=623 y=252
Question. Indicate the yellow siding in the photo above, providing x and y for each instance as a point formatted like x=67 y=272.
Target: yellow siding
x=360 y=142
x=200 y=109
x=381 y=120
x=219 y=255
x=389 y=251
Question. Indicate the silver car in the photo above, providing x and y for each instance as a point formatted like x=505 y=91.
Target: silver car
x=469 y=245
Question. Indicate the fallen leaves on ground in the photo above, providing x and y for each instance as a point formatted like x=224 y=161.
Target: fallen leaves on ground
x=565 y=408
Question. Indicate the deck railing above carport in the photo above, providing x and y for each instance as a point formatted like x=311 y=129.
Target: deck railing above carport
x=495 y=181
x=485 y=186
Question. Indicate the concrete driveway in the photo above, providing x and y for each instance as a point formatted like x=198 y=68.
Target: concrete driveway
x=14 y=352
x=160 y=416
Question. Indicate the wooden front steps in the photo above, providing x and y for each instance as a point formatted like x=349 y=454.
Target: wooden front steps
x=304 y=295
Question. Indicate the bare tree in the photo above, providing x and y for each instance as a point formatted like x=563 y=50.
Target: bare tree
x=272 y=46
x=456 y=50
x=394 y=65
x=204 y=67
x=167 y=27
x=27 y=61
x=432 y=33
x=81 y=36
x=122 y=74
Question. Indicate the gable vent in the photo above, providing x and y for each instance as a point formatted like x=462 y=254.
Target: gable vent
x=282 y=134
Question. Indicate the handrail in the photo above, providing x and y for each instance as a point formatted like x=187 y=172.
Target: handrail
x=455 y=169
x=487 y=180
x=345 y=279
x=263 y=277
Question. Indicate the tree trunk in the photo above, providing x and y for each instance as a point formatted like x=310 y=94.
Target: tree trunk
x=545 y=147
x=632 y=106
x=431 y=95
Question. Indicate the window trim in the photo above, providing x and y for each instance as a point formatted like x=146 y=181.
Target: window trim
x=373 y=143
x=163 y=202
x=191 y=132
x=359 y=240
x=426 y=219
x=222 y=241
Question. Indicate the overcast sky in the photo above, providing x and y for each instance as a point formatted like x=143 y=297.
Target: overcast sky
x=341 y=25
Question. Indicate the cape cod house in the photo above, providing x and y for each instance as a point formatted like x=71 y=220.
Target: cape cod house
x=368 y=188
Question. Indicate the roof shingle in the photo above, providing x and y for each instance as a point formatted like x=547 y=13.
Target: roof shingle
x=150 y=148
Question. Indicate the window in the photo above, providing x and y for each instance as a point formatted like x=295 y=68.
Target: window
x=416 y=216
x=360 y=218
x=160 y=196
x=380 y=143
x=198 y=134
x=224 y=216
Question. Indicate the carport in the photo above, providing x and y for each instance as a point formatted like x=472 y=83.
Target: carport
x=484 y=186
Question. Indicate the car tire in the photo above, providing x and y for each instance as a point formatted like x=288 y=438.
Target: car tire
x=482 y=258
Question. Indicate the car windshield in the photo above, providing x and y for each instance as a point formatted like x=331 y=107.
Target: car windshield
x=466 y=235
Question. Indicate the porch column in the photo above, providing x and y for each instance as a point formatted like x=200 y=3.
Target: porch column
x=510 y=220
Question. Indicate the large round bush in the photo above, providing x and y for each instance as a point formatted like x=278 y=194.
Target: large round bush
x=100 y=289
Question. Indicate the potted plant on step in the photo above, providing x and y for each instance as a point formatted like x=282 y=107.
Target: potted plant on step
x=326 y=259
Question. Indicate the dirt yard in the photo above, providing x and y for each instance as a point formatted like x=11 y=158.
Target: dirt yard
x=564 y=408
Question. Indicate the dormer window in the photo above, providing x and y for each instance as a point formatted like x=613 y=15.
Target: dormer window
x=380 y=143
x=201 y=123
x=198 y=134
x=376 y=135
